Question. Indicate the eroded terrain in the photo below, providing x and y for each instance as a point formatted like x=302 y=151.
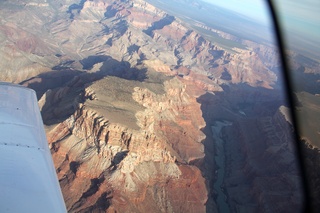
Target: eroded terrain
x=129 y=94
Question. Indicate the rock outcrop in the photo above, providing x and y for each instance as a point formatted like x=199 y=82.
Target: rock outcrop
x=133 y=147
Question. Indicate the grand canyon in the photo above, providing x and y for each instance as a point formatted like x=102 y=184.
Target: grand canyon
x=147 y=112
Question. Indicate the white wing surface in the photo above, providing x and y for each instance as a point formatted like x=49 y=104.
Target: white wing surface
x=28 y=181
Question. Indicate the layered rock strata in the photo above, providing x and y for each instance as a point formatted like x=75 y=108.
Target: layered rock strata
x=127 y=148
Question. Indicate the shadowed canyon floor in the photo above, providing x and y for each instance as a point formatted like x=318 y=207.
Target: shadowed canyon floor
x=253 y=142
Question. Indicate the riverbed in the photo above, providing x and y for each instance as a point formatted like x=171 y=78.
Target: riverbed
x=221 y=199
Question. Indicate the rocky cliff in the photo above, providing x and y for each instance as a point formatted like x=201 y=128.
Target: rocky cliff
x=131 y=146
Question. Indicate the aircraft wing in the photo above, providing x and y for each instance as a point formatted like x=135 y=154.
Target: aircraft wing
x=28 y=179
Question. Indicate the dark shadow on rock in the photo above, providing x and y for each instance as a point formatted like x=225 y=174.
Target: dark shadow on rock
x=133 y=49
x=312 y=167
x=74 y=165
x=75 y=9
x=243 y=106
x=118 y=158
x=226 y=75
x=110 y=12
x=167 y=20
x=50 y=80
x=113 y=67
x=65 y=90
x=102 y=203
x=109 y=42
x=89 y=62
x=123 y=69
x=120 y=27
x=95 y=183
x=180 y=58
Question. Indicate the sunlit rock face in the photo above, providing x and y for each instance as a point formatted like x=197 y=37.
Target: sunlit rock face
x=128 y=94
x=130 y=145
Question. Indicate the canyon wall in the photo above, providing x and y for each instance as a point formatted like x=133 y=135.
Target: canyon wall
x=138 y=152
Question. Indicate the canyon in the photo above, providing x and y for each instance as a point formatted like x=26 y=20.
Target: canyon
x=129 y=94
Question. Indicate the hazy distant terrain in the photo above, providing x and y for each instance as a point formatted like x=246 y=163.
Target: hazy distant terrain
x=199 y=15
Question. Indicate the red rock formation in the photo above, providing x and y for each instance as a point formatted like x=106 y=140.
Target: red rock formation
x=132 y=169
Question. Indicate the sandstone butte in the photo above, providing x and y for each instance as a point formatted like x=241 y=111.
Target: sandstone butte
x=128 y=144
x=129 y=93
